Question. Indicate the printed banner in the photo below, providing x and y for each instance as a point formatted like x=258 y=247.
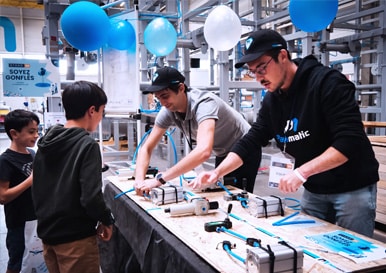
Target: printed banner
x=29 y=78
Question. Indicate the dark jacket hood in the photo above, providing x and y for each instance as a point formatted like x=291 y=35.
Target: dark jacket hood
x=59 y=138
x=305 y=67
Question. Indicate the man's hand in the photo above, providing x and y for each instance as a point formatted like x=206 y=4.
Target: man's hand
x=145 y=186
x=204 y=179
x=290 y=183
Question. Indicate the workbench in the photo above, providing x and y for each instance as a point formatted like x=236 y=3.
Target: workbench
x=147 y=239
x=374 y=124
x=379 y=145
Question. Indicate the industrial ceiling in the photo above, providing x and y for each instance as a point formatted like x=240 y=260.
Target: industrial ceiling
x=31 y=4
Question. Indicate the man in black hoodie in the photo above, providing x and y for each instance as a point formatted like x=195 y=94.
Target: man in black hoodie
x=67 y=185
x=311 y=112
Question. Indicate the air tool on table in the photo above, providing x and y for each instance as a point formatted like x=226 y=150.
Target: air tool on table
x=212 y=226
x=197 y=206
x=240 y=196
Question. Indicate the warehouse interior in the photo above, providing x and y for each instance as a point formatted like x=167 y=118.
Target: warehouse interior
x=353 y=43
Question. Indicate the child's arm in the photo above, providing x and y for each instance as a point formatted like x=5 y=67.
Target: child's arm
x=8 y=194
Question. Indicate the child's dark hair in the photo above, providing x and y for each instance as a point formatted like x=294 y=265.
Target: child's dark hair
x=78 y=97
x=18 y=119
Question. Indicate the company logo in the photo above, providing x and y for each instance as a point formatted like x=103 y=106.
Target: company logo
x=248 y=43
x=291 y=133
x=155 y=76
x=19 y=65
x=291 y=125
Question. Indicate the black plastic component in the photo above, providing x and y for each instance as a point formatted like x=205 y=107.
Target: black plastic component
x=234 y=197
x=213 y=205
x=244 y=184
x=227 y=244
x=136 y=116
x=105 y=167
x=253 y=242
x=242 y=195
x=151 y=170
x=229 y=180
x=212 y=226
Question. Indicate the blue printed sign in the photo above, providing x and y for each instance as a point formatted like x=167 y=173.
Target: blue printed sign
x=348 y=245
x=29 y=78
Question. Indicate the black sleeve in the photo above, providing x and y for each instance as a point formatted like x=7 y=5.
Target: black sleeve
x=258 y=135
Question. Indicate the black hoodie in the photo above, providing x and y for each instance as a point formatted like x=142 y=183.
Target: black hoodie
x=319 y=110
x=67 y=186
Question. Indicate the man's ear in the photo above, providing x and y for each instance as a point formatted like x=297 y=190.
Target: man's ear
x=181 y=87
x=282 y=55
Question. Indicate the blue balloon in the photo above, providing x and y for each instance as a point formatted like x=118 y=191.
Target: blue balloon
x=121 y=35
x=160 y=37
x=85 y=25
x=312 y=15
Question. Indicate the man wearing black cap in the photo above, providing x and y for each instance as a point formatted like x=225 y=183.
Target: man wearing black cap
x=311 y=112
x=204 y=119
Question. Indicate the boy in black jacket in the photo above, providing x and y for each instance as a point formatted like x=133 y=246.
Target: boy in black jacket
x=67 y=185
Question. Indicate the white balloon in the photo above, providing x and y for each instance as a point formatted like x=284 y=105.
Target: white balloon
x=222 y=28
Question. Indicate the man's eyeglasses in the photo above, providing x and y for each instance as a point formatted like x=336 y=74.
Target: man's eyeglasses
x=261 y=70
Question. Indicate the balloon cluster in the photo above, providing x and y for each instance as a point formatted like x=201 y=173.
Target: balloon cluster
x=87 y=27
x=312 y=15
x=222 y=28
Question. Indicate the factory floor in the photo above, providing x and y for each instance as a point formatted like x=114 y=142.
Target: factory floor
x=158 y=160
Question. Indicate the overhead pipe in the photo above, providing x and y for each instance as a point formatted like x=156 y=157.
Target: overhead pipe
x=9 y=33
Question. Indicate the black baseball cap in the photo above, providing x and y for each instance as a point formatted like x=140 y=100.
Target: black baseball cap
x=258 y=43
x=163 y=78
